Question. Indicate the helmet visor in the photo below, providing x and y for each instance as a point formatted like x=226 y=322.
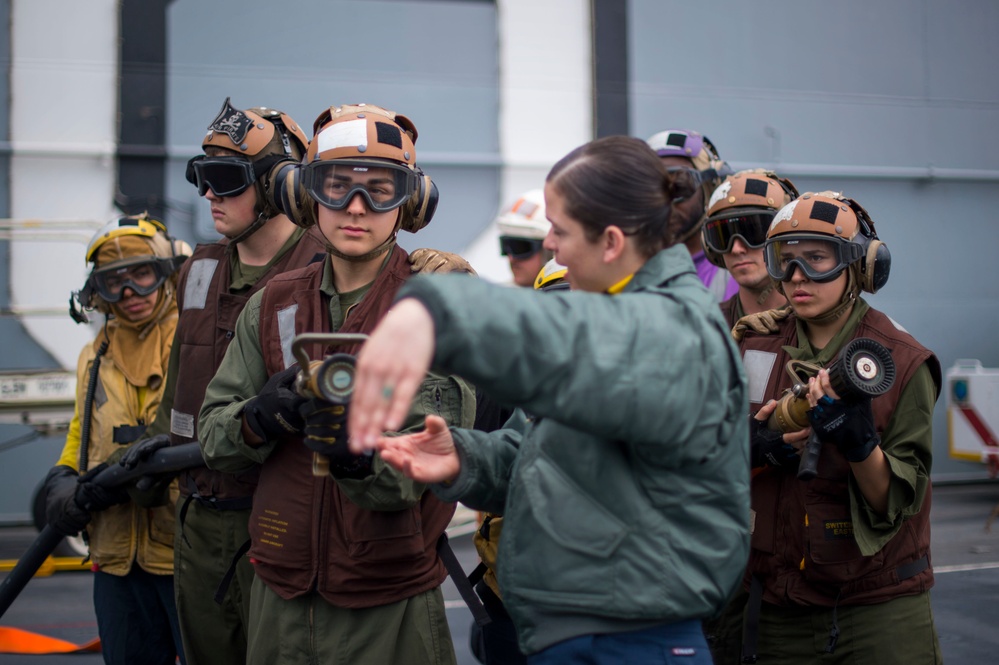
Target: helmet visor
x=520 y=248
x=818 y=257
x=383 y=185
x=225 y=176
x=719 y=234
x=143 y=278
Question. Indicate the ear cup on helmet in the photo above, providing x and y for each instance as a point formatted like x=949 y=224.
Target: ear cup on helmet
x=876 y=266
x=420 y=208
x=285 y=191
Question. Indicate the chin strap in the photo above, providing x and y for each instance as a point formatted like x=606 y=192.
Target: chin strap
x=367 y=256
x=377 y=251
x=849 y=297
x=765 y=293
x=261 y=219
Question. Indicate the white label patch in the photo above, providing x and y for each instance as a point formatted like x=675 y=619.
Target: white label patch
x=198 y=280
x=758 y=365
x=783 y=213
x=286 y=332
x=348 y=134
x=181 y=424
x=720 y=193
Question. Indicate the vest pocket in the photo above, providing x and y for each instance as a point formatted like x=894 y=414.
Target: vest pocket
x=832 y=548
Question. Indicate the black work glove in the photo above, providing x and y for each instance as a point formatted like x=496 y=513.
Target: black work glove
x=767 y=447
x=274 y=411
x=848 y=425
x=62 y=512
x=326 y=434
x=95 y=498
x=140 y=451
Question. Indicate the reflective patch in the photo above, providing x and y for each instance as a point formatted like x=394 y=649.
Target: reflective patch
x=752 y=521
x=683 y=651
x=347 y=134
x=286 y=332
x=758 y=365
x=198 y=280
x=181 y=424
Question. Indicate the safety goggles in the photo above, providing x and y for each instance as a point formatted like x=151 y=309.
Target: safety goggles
x=520 y=248
x=684 y=181
x=820 y=259
x=143 y=278
x=383 y=185
x=751 y=229
x=225 y=176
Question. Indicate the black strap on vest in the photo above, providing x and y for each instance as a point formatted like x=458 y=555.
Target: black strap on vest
x=461 y=581
x=227 y=578
x=125 y=434
x=751 y=630
x=476 y=575
x=913 y=568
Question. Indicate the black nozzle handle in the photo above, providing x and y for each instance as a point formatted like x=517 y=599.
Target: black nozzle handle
x=808 y=468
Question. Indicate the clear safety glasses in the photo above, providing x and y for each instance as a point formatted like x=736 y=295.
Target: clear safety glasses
x=225 y=176
x=751 y=229
x=818 y=257
x=384 y=186
x=143 y=278
x=520 y=248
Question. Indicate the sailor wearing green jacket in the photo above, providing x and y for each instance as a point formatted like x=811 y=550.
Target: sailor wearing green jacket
x=625 y=503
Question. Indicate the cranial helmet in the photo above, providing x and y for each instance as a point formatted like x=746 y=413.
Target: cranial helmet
x=254 y=140
x=552 y=277
x=702 y=154
x=829 y=216
x=115 y=249
x=743 y=206
x=526 y=217
x=358 y=136
x=257 y=133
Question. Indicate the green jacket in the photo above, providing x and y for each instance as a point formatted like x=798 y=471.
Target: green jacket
x=626 y=502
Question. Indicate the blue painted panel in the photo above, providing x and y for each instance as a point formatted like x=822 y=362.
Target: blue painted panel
x=436 y=62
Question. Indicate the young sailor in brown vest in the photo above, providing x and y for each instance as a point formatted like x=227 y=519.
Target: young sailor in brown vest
x=346 y=562
x=258 y=242
x=839 y=570
x=739 y=213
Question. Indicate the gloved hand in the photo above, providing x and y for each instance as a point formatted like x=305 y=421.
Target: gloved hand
x=767 y=447
x=431 y=260
x=274 y=411
x=140 y=451
x=326 y=434
x=95 y=498
x=763 y=323
x=850 y=426
x=62 y=512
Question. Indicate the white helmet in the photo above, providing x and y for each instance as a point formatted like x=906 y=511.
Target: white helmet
x=525 y=218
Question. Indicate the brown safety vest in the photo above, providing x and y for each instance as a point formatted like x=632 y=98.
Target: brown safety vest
x=208 y=313
x=803 y=548
x=730 y=310
x=306 y=533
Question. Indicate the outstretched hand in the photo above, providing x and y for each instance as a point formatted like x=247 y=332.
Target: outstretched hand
x=390 y=368
x=427 y=457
